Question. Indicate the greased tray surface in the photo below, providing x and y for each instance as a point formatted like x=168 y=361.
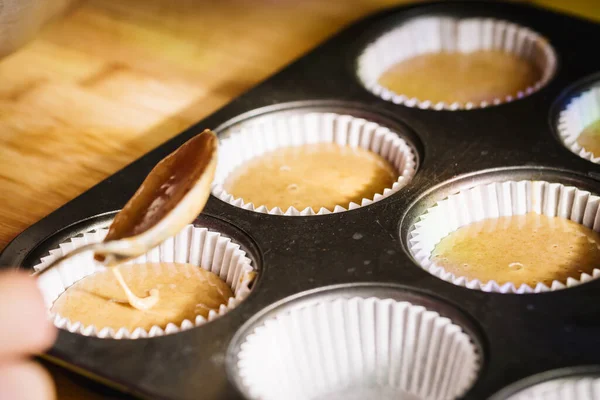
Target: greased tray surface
x=518 y=335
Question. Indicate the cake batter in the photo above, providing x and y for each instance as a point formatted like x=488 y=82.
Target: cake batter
x=186 y=291
x=315 y=175
x=520 y=249
x=461 y=77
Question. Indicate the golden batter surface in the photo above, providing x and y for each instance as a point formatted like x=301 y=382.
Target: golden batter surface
x=521 y=249
x=589 y=138
x=186 y=291
x=461 y=77
x=315 y=175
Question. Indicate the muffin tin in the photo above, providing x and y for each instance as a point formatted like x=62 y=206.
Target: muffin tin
x=363 y=253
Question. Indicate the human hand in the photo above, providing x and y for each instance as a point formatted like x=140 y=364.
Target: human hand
x=25 y=330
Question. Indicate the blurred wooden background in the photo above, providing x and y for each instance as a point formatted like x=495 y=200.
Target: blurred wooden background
x=113 y=79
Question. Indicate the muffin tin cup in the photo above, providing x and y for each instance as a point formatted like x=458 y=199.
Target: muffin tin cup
x=356 y=347
x=579 y=113
x=583 y=388
x=266 y=133
x=193 y=245
x=574 y=383
x=498 y=200
x=435 y=34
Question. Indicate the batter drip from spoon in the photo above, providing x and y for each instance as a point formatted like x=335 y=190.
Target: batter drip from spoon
x=141 y=304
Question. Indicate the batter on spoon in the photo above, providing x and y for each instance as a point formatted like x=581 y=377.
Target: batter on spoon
x=172 y=195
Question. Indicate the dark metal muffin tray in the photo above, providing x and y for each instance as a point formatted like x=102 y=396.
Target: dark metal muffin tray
x=518 y=335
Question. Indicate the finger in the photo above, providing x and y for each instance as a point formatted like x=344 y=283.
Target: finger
x=25 y=380
x=25 y=325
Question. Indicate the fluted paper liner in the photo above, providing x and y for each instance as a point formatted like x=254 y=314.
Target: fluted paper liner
x=498 y=200
x=193 y=245
x=572 y=388
x=581 y=112
x=269 y=132
x=445 y=34
x=367 y=348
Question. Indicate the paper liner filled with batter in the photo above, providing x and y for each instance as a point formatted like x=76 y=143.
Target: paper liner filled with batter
x=193 y=245
x=581 y=112
x=496 y=200
x=357 y=348
x=434 y=34
x=264 y=134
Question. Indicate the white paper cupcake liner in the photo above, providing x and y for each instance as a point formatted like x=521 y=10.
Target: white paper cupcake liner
x=498 y=200
x=573 y=388
x=437 y=34
x=197 y=246
x=581 y=112
x=267 y=133
x=357 y=348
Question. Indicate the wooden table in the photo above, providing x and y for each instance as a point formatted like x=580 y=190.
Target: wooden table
x=114 y=79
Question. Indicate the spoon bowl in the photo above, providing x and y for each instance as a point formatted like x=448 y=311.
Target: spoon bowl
x=171 y=196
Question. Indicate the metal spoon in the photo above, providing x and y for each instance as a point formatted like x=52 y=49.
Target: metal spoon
x=171 y=196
